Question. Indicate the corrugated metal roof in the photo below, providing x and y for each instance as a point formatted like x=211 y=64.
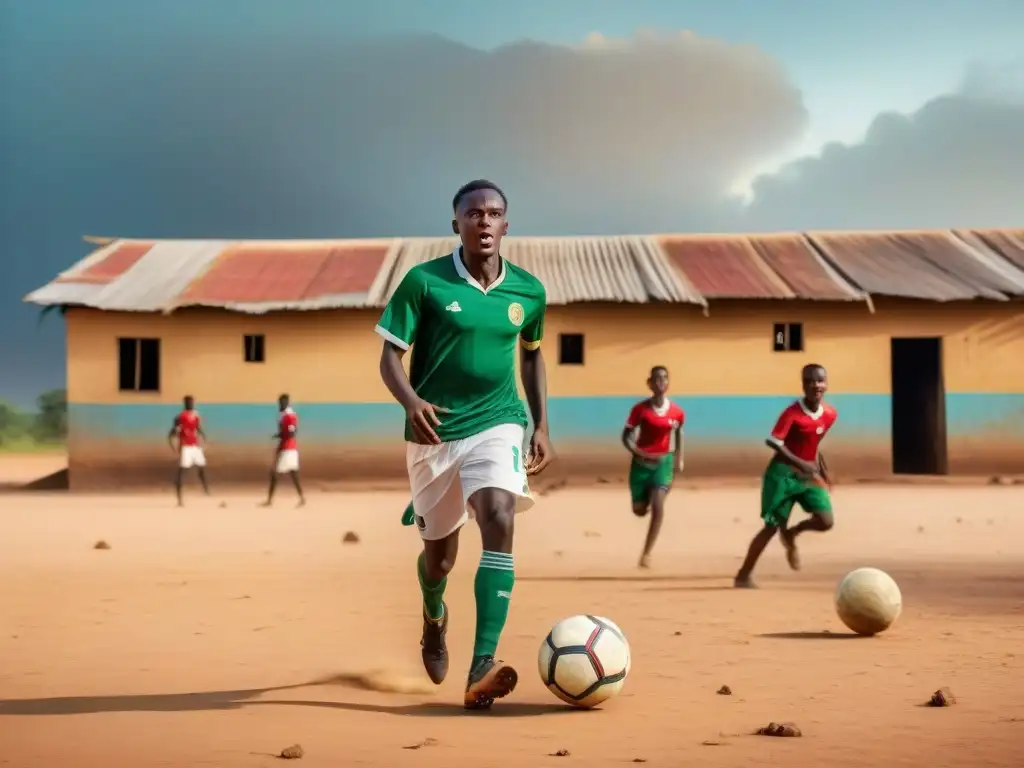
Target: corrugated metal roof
x=918 y=265
x=1008 y=243
x=808 y=275
x=264 y=276
x=578 y=269
x=725 y=267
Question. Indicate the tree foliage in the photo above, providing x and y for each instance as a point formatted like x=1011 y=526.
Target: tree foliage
x=48 y=424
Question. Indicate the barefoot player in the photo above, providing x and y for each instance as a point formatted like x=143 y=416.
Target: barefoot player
x=188 y=430
x=286 y=459
x=463 y=316
x=796 y=474
x=648 y=436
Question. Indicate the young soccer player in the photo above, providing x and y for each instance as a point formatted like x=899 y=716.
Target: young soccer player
x=286 y=460
x=462 y=315
x=796 y=474
x=648 y=436
x=188 y=429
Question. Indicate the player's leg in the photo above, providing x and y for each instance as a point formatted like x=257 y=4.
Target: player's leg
x=179 y=477
x=440 y=512
x=816 y=501
x=185 y=462
x=494 y=481
x=639 y=488
x=776 y=507
x=272 y=485
x=298 y=487
x=660 y=483
x=199 y=460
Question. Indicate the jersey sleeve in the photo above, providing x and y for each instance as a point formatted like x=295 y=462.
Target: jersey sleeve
x=291 y=423
x=401 y=317
x=682 y=417
x=533 y=332
x=633 y=420
x=782 y=427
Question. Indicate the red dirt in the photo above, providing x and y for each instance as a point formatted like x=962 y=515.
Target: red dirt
x=189 y=641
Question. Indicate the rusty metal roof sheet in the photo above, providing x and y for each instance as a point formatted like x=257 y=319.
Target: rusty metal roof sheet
x=921 y=265
x=577 y=269
x=725 y=267
x=1007 y=243
x=115 y=261
x=808 y=275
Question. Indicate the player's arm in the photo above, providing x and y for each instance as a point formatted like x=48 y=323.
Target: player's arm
x=173 y=433
x=679 y=448
x=629 y=433
x=776 y=442
x=823 y=468
x=199 y=430
x=398 y=326
x=534 y=375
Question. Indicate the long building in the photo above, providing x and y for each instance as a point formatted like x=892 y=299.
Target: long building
x=922 y=334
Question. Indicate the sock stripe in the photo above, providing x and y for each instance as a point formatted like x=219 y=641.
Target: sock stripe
x=497 y=561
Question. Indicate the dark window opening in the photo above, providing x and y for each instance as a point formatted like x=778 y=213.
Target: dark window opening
x=918 y=407
x=138 y=365
x=254 y=348
x=788 y=337
x=570 y=349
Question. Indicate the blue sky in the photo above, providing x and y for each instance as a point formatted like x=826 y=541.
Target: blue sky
x=332 y=118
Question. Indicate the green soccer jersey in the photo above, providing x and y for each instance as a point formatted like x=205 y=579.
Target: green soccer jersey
x=463 y=340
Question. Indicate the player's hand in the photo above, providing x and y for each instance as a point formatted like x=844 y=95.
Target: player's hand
x=541 y=453
x=679 y=464
x=423 y=418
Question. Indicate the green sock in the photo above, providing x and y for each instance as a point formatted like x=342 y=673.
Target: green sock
x=493 y=588
x=408 y=515
x=433 y=594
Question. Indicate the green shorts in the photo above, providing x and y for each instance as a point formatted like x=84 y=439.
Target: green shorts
x=647 y=476
x=782 y=487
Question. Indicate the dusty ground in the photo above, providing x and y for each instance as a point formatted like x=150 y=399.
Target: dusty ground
x=189 y=641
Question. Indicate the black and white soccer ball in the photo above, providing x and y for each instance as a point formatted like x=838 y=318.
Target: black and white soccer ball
x=584 y=660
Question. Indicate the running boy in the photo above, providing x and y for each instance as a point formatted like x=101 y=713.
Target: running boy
x=648 y=436
x=463 y=315
x=188 y=429
x=796 y=474
x=286 y=459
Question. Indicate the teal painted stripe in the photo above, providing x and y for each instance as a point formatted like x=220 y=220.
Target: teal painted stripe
x=708 y=419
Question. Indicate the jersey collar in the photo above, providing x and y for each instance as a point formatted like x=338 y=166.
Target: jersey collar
x=816 y=414
x=460 y=268
x=663 y=409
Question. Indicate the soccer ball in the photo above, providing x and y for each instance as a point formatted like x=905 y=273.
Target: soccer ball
x=868 y=601
x=584 y=660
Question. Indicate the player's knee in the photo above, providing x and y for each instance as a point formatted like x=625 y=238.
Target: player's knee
x=640 y=508
x=496 y=518
x=826 y=521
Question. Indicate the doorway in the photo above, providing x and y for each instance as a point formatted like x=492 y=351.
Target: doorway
x=918 y=407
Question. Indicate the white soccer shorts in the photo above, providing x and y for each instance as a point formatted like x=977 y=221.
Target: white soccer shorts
x=287 y=461
x=191 y=456
x=443 y=477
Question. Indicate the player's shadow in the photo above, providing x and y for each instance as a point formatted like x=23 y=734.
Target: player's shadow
x=624 y=578
x=823 y=635
x=238 y=699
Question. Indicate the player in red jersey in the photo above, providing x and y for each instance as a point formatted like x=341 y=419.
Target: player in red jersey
x=796 y=474
x=188 y=429
x=648 y=436
x=286 y=459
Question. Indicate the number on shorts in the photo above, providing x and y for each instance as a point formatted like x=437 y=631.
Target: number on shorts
x=515 y=458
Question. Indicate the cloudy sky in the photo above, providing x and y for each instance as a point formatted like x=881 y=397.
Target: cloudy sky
x=316 y=118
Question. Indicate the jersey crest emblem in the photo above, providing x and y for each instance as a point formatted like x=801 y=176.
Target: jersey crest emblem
x=516 y=315
x=820 y=430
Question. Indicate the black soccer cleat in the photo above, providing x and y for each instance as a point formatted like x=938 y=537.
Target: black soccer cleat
x=434 y=648
x=489 y=680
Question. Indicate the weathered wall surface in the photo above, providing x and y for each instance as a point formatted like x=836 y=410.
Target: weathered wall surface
x=724 y=373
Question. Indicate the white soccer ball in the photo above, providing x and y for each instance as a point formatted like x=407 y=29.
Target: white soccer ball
x=868 y=601
x=584 y=660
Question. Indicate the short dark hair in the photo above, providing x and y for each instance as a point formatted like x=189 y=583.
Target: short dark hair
x=187 y=397
x=812 y=367
x=475 y=186
x=283 y=396
x=657 y=368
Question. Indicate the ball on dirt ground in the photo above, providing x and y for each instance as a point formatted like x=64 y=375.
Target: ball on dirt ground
x=868 y=601
x=584 y=660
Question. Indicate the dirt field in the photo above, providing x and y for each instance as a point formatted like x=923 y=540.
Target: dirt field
x=192 y=640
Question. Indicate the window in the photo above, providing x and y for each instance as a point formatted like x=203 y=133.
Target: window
x=570 y=349
x=788 y=337
x=138 y=363
x=255 y=348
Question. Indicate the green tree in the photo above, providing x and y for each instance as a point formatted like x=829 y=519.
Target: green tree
x=14 y=423
x=51 y=421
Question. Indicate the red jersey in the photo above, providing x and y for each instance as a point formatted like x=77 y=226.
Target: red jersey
x=801 y=430
x=287 y=426
x=188 y=423
x=656 y=425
